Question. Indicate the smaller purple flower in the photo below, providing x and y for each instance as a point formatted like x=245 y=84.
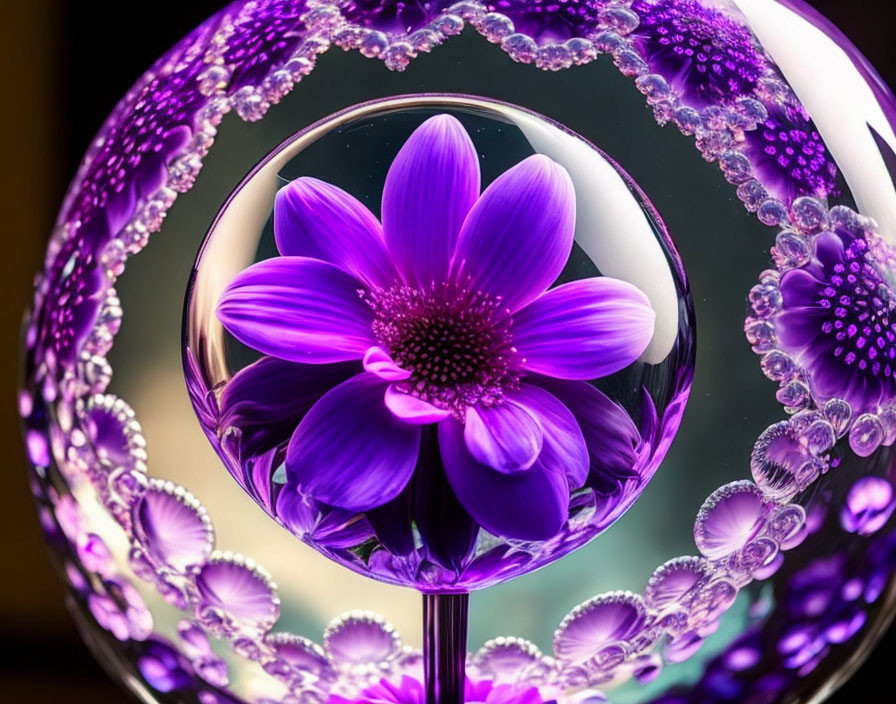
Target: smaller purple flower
x=838 y=321
x=790 y=156
x=411 y=691
x=707 y=56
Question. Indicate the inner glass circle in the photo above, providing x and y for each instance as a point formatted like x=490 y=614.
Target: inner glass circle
x=441 y=339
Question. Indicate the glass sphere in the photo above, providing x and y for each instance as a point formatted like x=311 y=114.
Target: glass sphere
x=438 y=328
x=445 y=427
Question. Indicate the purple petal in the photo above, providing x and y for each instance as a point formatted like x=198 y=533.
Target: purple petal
x=799 y=288
x=350 y=451
x=829 y=250
x=411 y=409
x=378 y=361
x=610 y=434
x=267 y=399
x=801 y=327
x=318 y=220
x=431 y=186
x=332 y=527
x=585 y=329
x=447 y=531
x=530 y=505
x=298 y=309
x=392 y=524
x=257 y=474
x=564 y=444
x=518 y=236
x=506 y=437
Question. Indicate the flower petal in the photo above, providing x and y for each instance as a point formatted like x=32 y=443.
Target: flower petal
x=518 y=236
x=349 y=451
x=564 y=444
x=799 y=288
x=506 y=437
x=267 y=399
x=446 y=529
x=530 y=505
x=298 y=309
x=610 y=434
x=411 y=409
x=378 y=361
x=585 y=329
x=392 y=524
x=333 y=527
x=431 y=186
x=315 y=219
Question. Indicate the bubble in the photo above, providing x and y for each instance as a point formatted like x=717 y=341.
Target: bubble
x=362 y=376
x=869 y=505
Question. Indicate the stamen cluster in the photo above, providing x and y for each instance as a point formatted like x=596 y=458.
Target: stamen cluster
x=456 y=343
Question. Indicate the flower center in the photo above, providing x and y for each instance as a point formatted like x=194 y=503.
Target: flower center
x=862 y=321
x=456 y=343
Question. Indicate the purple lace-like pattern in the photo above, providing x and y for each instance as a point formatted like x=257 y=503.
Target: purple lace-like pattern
x=248 y=57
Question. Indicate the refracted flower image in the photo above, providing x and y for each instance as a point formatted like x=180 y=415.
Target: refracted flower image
x=429 y=404
x=837 y=319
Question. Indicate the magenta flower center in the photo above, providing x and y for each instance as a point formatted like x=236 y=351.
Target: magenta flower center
x=861 y=318
x=456 y=343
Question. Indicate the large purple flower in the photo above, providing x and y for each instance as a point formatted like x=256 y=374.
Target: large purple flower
x=838 y=320
x=447 y=308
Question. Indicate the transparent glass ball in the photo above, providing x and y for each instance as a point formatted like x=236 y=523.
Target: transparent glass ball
x=584 y=345
x=714 y=274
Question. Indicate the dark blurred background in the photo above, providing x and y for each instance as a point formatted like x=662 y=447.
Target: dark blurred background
x=63 y=66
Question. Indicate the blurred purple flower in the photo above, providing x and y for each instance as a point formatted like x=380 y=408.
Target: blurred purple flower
x=446 y=305
x=410 y=691
x=837 y=319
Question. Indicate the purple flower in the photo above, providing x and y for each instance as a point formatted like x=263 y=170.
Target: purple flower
x=410 y=691
x=790 y=156
x=707 y=56
x=444 y=311
x=837 y=321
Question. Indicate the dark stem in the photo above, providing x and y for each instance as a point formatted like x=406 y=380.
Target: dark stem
x=445 y=646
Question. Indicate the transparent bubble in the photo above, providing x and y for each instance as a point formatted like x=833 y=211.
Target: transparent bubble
x=501 y=362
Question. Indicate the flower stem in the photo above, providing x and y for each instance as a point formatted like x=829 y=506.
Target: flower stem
x=445 y=646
